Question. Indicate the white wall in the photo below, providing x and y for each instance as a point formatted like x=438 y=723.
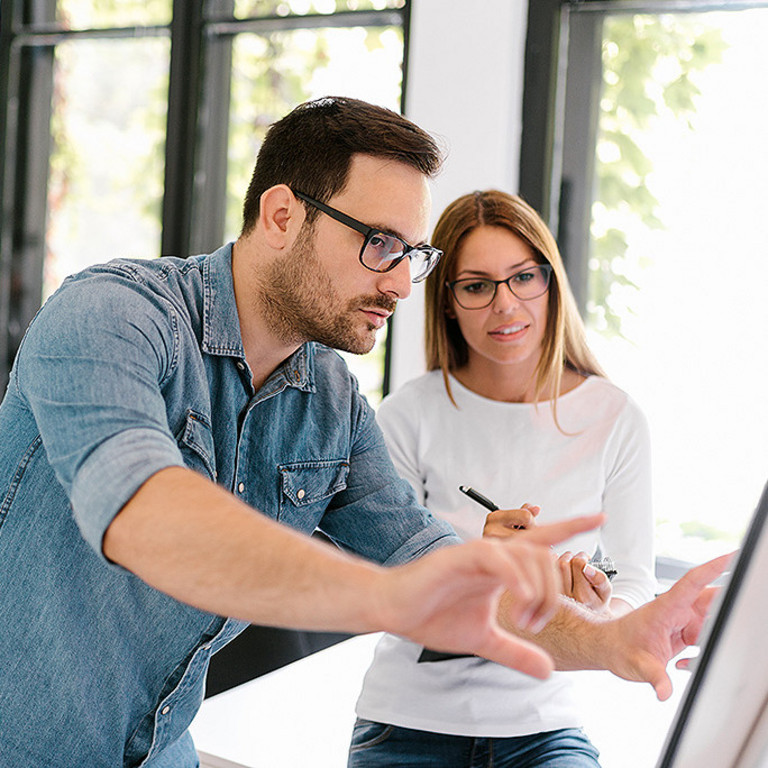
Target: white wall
x=465 y=86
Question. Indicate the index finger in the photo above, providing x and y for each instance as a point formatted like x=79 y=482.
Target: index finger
x=554 y=533
x=699 y=577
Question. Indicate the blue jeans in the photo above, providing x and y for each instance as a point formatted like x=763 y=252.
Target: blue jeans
x=377 y=745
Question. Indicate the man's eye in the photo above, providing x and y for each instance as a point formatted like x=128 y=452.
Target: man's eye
x=378 y=241
x=384 y=246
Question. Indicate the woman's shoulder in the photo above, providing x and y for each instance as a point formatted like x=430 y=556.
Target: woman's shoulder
x=602 y=394
x=410 y=398
x=426 y=384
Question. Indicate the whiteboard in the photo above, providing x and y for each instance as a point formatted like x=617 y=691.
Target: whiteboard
x=722 y=720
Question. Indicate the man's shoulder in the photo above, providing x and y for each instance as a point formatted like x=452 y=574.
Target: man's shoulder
x=139 y=270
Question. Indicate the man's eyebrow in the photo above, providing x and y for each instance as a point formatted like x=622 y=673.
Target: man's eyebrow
x=389 y=231
x=386 y=230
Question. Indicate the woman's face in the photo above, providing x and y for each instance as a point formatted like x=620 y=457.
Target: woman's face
x=509 y=331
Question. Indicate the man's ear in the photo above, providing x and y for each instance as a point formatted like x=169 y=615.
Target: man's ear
x=280 y=216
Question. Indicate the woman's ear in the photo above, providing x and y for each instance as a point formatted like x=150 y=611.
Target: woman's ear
x=280 y=215
x=449 y=310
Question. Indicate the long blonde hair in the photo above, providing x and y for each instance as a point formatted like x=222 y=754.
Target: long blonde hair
x=564 y=344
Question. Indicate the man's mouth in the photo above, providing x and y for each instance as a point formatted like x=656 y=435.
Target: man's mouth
x=377 y=317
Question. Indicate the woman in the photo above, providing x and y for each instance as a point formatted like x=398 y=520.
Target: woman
x=516 y=406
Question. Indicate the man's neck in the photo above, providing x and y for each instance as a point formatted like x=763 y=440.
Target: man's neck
x=264 y=352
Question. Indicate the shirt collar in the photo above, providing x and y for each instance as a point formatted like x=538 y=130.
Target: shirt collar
x=221 y=323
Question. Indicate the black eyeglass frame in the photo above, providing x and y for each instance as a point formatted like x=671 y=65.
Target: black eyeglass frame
x=370 y=232
x=547 y=269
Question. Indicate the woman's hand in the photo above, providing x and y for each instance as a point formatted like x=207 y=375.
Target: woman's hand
x=583 y=582
x=506 y=522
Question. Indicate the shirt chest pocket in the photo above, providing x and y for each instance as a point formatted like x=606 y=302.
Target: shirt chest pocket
x=195 y=441
x=306 y=488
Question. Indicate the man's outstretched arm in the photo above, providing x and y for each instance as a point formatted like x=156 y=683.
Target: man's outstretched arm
x=189 y=538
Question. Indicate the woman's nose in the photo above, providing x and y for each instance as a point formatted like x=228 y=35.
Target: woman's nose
x=504 y=300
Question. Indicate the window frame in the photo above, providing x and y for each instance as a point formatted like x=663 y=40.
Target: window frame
x=560 y=128
x=201 y=34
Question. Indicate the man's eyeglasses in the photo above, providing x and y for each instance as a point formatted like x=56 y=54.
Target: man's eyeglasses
x=381 y=251
x=479 y=292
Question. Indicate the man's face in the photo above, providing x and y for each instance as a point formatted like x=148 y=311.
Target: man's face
x=320 y=291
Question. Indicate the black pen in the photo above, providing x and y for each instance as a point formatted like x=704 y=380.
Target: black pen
x=605 y=564
x=478 y=497
x=484 y=500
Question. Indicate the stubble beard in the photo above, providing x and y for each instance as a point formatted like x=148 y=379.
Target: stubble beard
x=300 y=303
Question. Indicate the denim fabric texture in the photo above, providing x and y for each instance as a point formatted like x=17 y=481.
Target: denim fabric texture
x=129 y=368
x=378 y=745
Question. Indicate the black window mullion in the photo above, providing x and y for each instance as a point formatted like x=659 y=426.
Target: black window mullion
x=386 y=378
x=576 y=163
x=8 y=111
x=538 y=101
x=181 y=132
x=210 y=191
x=33 y=153
x=560 y=127
x=26 y=146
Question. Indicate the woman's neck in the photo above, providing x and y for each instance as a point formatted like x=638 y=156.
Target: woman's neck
x=511 y=384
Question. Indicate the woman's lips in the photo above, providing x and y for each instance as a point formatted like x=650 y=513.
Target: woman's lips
x=509 y=332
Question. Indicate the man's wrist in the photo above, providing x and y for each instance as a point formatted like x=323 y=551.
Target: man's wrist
x=577 y=638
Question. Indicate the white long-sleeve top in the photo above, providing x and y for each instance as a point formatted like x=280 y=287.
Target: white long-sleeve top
x=599 y=460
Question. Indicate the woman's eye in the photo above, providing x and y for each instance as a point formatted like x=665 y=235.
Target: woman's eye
x=524 y=277
x=478 y=287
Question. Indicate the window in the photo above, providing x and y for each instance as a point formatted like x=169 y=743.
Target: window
x=652 y=174
x=130 y=127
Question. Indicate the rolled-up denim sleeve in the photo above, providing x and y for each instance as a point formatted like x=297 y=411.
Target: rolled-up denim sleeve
x=113 y=472
x=91 y=369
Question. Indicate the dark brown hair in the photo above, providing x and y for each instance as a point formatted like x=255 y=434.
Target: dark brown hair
x=311 y=149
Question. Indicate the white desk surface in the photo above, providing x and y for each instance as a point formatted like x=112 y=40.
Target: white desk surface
x=303 y=714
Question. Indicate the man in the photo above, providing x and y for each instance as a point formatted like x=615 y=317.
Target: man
x=153 y=406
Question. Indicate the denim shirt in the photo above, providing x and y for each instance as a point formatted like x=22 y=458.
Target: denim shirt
x=129 y=368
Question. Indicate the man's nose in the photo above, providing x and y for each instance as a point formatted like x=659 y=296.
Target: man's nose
x=398 y=280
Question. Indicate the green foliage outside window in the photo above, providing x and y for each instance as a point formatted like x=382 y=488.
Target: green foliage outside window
x=649 y=68
x=109 y=110
x=273 y=73
x=246 y=8
x=87 y=14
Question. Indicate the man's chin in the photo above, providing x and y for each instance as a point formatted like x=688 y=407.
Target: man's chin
x=359 y=346
x=359 y=349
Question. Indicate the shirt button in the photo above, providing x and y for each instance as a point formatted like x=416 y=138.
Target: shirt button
x=241 y=365
x=301 y=493
x=241 y=487
x=166 y=710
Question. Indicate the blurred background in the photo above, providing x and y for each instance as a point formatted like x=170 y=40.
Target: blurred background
x=130 y=128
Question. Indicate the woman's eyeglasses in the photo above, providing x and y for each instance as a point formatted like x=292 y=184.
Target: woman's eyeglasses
x=479 y=292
